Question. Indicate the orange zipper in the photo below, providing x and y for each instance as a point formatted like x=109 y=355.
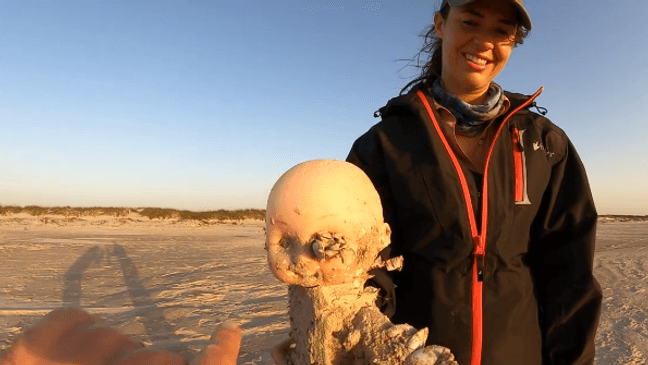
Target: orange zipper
x=479 y=237
x=517 y=163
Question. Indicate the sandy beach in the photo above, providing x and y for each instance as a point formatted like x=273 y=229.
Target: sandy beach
x=168 y=282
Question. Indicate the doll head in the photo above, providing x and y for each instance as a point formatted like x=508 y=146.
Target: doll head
x=324 y=225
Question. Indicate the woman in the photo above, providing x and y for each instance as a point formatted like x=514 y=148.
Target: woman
x=488 y=202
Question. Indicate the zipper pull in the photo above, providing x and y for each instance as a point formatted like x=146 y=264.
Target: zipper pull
x=479 y=256
x=480 y=266
x=517 y=141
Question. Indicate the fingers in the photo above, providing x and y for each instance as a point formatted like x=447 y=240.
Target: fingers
x=58 y=323
x=101 y=343
x=69 y=336
x=148 y=357
x=225 y=347
x=72 y=336
x=49 y=341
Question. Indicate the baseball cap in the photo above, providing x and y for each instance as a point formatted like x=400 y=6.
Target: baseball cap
x=525 y=19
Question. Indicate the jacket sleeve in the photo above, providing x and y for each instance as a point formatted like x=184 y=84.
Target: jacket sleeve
x=561 y=259
x=368 y=156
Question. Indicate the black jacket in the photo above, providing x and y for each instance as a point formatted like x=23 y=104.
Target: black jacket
x=499 y=266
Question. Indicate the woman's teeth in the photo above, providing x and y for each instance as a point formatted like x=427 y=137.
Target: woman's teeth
x=475 y=59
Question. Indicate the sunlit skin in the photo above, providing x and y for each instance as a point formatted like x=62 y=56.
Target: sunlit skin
x=477 y=41
x=71 y=336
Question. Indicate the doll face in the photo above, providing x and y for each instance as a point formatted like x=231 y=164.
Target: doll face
x=324 y=224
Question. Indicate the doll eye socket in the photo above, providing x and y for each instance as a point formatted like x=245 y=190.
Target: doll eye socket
x=287 y=241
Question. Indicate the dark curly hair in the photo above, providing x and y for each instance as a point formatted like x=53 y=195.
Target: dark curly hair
x=431 y=50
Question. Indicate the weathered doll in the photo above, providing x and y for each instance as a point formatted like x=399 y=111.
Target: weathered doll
x=325 y=228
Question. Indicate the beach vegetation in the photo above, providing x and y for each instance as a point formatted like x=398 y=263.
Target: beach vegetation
x=151 y=213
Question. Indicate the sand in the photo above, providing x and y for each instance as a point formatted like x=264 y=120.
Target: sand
x=168 y=282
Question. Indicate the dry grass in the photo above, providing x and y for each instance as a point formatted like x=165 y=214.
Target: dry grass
x=622 y=218
x=152 y=213
x=185 y=215
x=35 y=210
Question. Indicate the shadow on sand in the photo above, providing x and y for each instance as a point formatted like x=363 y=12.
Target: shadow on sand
x=145 y=309
x=74 y=276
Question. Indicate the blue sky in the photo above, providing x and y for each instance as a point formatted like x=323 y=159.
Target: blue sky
x=202 y=105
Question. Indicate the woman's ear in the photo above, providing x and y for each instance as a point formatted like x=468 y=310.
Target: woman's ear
x=439 y=22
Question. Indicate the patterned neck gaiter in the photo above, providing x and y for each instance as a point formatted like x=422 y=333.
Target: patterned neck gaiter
x=471 y=119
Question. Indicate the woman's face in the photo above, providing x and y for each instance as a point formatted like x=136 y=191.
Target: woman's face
x=477 y=40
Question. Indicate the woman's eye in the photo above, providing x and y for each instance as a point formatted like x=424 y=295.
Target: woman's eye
x=506 y=36
x=470 y=23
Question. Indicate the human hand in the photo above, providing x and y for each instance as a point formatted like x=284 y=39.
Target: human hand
x=73 y=337
x=224 y=347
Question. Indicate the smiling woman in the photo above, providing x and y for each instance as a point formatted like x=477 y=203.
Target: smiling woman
x=489 y=203
x=478 y=41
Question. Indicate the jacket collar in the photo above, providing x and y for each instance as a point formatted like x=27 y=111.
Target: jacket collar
x=405 y=100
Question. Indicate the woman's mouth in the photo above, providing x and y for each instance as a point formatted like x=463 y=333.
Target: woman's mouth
x=476 y=59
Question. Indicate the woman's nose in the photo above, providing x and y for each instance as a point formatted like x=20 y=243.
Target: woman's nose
x=484 y=41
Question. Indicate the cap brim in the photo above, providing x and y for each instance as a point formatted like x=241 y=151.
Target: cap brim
x=525 y=19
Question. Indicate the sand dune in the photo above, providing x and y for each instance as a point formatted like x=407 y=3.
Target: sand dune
x=168 y=282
